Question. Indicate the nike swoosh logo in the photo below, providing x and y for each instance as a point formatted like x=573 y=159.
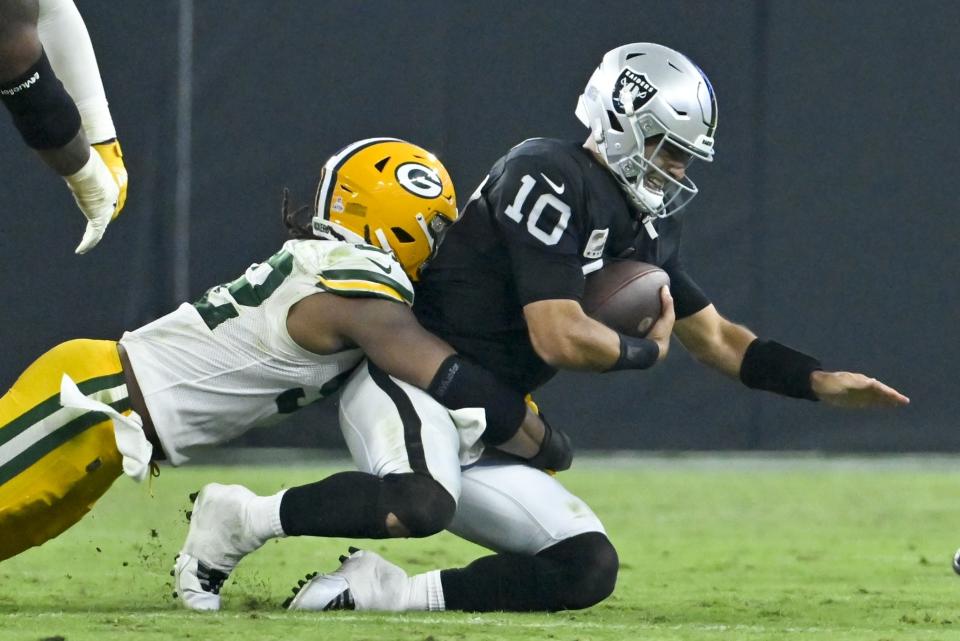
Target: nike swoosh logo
x=554 y=186
x=385 y=268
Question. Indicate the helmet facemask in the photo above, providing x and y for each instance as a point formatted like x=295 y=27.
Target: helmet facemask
x=431 y=233
x=435 y=231
x=655 y=190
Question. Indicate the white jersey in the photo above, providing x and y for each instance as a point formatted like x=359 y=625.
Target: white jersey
x=213 y=369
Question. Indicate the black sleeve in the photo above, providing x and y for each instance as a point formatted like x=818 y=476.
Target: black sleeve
x=688 y=297
x=461 y=383
x=537 y=215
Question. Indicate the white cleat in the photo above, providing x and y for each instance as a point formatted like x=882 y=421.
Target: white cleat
x=364 y=581
x=198 y=586
x=220 y=535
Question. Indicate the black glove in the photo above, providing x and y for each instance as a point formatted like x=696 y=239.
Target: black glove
x=556 y=451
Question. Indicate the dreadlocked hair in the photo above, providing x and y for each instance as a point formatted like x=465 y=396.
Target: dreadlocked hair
x=296 y=227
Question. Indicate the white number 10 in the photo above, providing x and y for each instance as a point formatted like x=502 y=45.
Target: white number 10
x=514 y=212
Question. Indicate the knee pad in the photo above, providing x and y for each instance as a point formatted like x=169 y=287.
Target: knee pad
x=420 y=503
x=590 y=565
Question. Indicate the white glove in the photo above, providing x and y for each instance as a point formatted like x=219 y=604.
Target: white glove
x=96 y=191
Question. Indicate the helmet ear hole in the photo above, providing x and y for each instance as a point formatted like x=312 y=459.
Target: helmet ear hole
x=402 y=235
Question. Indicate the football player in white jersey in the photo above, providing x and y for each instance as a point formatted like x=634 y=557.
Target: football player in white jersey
x=50 y=83
x=287 y=332
x=549 y=212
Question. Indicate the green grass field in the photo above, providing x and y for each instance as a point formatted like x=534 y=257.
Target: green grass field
x=710 y=549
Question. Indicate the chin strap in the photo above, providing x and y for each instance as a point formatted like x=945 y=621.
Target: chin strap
x=600 y=141
x=426 y=231
x=647 y=222
x=382 y=239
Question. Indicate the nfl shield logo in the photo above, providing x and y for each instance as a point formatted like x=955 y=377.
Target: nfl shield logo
x=637 y=86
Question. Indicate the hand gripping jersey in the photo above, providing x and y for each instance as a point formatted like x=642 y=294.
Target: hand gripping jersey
x=213 y=369
x=547 y=214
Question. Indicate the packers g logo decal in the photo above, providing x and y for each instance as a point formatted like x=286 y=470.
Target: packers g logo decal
x=419 y=180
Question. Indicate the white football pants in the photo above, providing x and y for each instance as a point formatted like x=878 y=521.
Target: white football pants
x=393 y=428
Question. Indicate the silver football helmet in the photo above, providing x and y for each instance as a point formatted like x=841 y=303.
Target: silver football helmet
x=640 y=92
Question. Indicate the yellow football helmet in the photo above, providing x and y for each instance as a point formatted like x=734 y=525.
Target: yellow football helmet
x=387 y=193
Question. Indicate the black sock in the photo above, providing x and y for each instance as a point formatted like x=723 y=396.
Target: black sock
x=510 y=582
x=575 y=573
x=345 y=504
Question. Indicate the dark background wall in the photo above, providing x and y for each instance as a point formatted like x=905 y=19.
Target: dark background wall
x=827 y=221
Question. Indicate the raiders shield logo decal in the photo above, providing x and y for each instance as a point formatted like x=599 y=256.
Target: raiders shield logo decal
x=637 y=86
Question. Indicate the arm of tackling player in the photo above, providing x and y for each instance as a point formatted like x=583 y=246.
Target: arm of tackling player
x=391 y=337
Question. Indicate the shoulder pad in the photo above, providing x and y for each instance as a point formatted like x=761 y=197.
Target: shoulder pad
x=554 y=158
x=364 y=271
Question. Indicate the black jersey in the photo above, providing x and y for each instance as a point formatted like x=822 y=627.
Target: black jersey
x=547 y=214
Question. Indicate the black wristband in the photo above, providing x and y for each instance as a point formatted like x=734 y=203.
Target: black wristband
x=770 y=366
x=636 y=353
x=556 y=452
x=460 y=383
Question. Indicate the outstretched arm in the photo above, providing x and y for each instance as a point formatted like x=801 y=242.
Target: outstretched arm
x=737 y=352
x=850 y=389
x=714 y=341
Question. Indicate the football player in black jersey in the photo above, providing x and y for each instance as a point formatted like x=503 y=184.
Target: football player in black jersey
x=551 y=211
x=505 y=291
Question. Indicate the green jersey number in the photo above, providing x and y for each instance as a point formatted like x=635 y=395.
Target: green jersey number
x=243 y=292
x=296 y=398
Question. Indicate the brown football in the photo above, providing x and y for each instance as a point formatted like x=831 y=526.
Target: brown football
x=625 y=295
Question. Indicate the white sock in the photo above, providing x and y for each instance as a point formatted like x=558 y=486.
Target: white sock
x=425 y=592
x=263 y=517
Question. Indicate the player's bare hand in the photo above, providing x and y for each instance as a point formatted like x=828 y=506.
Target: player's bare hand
x=663 y=328
x=849 y=389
